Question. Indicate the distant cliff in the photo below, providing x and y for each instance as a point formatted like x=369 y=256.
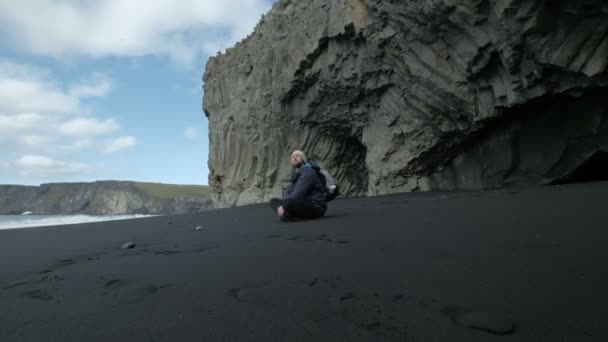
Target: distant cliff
x=104 y=197
x=397 y=96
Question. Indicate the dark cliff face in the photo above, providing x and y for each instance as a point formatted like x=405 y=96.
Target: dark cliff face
x=107 y=197
x=396 y=96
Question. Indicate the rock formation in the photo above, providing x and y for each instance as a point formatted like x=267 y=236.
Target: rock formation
x=102 y=198
x=396 y=96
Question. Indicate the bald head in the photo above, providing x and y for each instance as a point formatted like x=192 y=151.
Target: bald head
x=298 y=158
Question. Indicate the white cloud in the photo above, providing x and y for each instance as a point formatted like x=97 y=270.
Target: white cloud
x=32 y=104
x=73 y=146
x=31 y=95
x=179 y=29
x=37 y=133
x=98 y=85
x=34 y=162
x=79 y=144
x=34 y=141
x=88 y=127
x=17 y=124
x=25 y=90
x=119 y=144
x=21 y=71
x=191 y=132
x=43 y=166
x=44 y=122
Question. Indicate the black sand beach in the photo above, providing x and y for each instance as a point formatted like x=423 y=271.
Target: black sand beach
x=530 y=264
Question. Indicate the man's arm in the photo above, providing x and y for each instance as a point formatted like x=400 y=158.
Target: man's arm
x=288 y=190
x=304 y=184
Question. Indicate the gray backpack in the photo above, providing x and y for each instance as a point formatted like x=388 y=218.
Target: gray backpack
x=331 y=186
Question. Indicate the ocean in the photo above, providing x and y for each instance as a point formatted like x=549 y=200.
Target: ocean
x=25 y=221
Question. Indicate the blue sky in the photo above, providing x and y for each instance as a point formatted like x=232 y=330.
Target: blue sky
x=98 y=90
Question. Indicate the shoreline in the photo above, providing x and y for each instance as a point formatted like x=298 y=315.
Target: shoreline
x=35 y=221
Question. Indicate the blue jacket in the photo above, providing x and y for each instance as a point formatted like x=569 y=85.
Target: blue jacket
x=306 y=185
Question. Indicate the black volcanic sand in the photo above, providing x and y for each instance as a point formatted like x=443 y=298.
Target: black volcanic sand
x=516 y=265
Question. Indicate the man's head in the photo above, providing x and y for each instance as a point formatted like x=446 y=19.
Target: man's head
x=298 y=158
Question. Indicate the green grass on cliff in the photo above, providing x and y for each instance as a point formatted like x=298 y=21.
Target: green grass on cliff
x=173 y=190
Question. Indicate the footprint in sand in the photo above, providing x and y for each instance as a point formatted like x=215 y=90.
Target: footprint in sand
x=166 y=252
x=136 y=294
x=322 y=237
x=111 y=282
x=34 y=282
x=60 y=263
x=201 y=250
x=173 y=251
x=39 y=295
x=127 y=291
x=147 y=290
x=17 y=284
x=487 y=321
x=71 y=261
x=235 y=293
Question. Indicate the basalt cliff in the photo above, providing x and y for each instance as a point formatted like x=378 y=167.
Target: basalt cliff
x=395 y=96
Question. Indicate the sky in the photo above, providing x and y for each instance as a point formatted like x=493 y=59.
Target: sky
x=110 y=90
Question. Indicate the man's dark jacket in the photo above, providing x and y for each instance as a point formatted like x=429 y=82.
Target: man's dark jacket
x=306 y=185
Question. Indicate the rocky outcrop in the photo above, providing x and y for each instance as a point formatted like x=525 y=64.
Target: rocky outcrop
x=396 y=96
x=103 y=198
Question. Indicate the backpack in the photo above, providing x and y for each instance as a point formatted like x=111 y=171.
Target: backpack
x=330 y=185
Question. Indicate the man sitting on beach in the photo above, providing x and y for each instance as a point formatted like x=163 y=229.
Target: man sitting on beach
x=305 y=196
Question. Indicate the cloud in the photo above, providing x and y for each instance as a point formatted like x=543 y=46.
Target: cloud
x=17 y=70
x=35 y=108
x=43 y=166
x=88 y=127
x=79 y=144
x=98 y=85
x=43 y=122
x=178 y=29
x=191 y=132
x=25 y=90
x=39 y=133
x=35 y=162
x=119 y=144
x=34 y=141
x=22 y=123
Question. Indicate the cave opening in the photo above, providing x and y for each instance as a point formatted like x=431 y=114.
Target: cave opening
x=352 y=172
x=594 y=169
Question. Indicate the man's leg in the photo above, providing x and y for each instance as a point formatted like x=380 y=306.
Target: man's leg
x=301 y=209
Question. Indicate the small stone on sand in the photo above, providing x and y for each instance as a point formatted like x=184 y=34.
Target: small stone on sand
x=199 y=228
x=128 y=245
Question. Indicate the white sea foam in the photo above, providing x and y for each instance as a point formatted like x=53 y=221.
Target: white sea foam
x=25 y=221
